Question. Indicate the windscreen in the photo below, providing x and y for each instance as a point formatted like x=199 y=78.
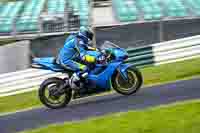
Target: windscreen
x=108 y=44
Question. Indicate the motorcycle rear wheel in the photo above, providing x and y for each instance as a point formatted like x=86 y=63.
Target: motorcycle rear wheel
x=50 y=86
x=130 y=86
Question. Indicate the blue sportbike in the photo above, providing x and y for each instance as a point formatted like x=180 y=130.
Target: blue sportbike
x=110 y=71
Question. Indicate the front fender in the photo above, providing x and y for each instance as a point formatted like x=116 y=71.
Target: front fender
x=122 y=69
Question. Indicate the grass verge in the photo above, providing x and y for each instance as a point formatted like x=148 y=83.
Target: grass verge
x=7 y=41
x=152 y=75
x=19 y=102
x=176 y=118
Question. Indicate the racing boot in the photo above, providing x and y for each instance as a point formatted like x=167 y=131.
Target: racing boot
x=74 y=81
x=80 y=85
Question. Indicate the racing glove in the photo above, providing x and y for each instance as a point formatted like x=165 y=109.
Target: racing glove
x=89 y=59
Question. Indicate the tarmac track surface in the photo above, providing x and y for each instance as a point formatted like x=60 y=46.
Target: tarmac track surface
x=99 y=106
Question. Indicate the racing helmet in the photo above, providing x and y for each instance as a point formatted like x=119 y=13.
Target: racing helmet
x=86 y=33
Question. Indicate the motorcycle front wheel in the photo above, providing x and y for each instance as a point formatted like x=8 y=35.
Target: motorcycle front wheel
x=48 y=90
x=129 y=86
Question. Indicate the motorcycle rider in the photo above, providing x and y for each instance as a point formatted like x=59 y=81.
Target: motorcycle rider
x=75 y=51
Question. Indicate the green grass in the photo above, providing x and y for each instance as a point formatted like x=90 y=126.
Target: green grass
x=152 y=75
x=171 y=72
x=7 y=41
x=176 y=118
x=19 y=102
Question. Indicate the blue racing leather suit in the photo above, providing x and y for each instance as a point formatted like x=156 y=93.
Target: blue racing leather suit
x=73 y=51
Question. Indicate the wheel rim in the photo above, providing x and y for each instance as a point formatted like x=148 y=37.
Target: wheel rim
x=50 y=98
x=127 y=86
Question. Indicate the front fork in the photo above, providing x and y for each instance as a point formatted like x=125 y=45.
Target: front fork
x=122 y=70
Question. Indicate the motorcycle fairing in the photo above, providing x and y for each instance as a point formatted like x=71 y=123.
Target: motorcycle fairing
x=102 y=80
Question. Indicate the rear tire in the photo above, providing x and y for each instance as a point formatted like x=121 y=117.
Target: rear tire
x=54 y=83
x=129 y=87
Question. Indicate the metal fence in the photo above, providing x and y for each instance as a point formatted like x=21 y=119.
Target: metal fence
x=155 y=54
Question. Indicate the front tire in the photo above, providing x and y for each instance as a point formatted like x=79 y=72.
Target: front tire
x=50 y=100
x=130 y=86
